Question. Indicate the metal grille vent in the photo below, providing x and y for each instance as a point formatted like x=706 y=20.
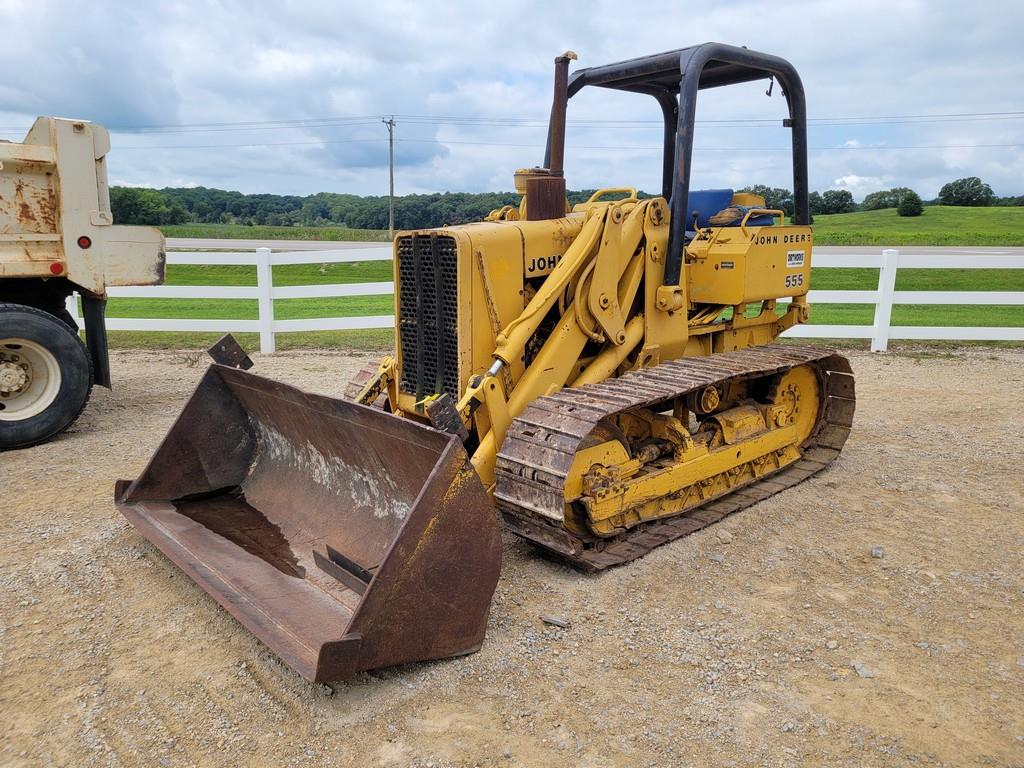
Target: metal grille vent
x=428 y=315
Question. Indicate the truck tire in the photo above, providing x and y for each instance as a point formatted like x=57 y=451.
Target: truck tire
x=45 y=376
x=65 y=317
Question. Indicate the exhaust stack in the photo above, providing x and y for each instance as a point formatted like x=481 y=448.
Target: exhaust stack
x=545 y=188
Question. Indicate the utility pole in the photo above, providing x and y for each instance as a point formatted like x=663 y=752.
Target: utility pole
x=390 y=123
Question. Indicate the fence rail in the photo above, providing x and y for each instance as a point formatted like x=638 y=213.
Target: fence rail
x=888 y=262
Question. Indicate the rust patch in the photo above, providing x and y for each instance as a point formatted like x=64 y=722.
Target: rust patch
x=25 y=214
x=46 y=202
x=344 y=537
x=34 y=206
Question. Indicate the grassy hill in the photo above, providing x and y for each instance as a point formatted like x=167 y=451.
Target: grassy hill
x=939 y=225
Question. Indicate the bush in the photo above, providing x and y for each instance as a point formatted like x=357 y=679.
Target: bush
x=910 y=204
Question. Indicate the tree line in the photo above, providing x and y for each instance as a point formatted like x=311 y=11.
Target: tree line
x=969 y=191
x=138 y=205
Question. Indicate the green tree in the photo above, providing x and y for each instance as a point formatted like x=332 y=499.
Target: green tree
x=137 y=205
x=817 y=204
x=967 y=191
x=874 y=200
x=886 y=198
x=774 y=197
x=837 y=201
x=910 y=204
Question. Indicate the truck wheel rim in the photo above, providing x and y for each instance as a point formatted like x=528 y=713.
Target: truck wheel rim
x=29 y=379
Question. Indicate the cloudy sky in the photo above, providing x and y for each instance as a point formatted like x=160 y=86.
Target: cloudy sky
x=288 y=97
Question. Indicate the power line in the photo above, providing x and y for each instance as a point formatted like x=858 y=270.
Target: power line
x=358 y=120
x=303 y=125
x=726 y=149
x=541 y=146
x=740 y=122
x=256 y=145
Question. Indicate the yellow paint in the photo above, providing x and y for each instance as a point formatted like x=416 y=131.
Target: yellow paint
x=579 y=299
x=740 y=265
x=798 y=393
x=626 y=494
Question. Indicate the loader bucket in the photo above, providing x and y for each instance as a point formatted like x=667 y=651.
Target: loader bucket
x=343 y=537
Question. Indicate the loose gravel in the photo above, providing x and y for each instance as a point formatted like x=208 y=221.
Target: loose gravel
x=872 y=616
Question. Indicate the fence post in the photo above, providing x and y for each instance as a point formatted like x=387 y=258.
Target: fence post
x=883 y=309
x=265 y=286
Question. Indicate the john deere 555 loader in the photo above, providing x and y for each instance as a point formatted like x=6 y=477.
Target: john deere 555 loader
x=603 y=376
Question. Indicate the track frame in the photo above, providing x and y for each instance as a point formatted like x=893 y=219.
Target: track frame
x=536 y=458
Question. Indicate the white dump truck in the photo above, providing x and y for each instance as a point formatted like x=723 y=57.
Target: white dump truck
x=57 y=239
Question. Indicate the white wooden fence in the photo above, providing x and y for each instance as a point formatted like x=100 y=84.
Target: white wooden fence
x=888 y=262
x=265 y=292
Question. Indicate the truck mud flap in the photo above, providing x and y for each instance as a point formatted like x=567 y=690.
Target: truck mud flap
x=344 y=538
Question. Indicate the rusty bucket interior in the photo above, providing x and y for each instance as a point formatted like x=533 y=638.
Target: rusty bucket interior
x=345 y=538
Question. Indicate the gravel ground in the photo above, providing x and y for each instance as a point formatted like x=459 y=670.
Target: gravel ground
x=870 y=616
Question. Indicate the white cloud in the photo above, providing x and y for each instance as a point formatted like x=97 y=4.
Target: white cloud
x=860 y=184
x=225 y=61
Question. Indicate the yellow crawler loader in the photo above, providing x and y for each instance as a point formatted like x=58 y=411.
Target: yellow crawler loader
x=602 y=375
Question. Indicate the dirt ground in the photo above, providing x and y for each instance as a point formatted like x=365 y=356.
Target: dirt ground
x=775 y=638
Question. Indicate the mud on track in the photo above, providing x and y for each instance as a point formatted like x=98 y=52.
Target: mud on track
x=734 y=646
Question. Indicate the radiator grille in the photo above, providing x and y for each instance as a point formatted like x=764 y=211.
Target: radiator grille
x=428 y=315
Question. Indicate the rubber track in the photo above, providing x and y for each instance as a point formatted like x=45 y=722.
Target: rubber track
x=540 y=445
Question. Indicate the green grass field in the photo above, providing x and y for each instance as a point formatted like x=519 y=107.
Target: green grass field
x=245 y=309
x=939 y=225
x=313 y=274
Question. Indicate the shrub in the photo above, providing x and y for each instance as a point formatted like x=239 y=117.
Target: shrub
x=910 y=204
